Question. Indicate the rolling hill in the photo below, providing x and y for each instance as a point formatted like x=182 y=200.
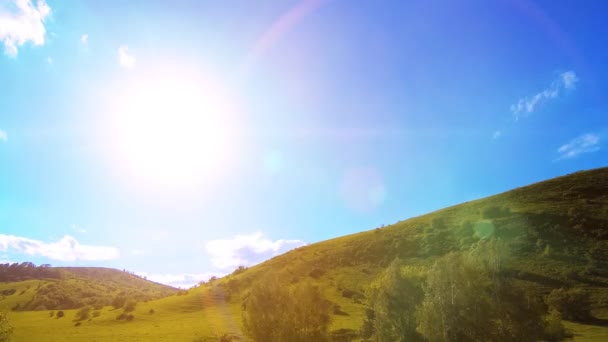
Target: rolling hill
x=26 y=287
x=556 y=232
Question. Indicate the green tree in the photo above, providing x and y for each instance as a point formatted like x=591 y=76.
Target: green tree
x=6 y=330
x=130 y=306
x=468 y=298
x=276 y=312
x=393 y=299
x=83 y=313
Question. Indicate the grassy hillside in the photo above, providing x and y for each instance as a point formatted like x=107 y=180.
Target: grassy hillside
x=72 y=287
x=556 y=232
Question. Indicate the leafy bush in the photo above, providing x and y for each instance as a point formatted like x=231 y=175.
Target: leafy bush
x=60 y=314
x=239 y=270
x=273 y=312
x=572 y=304
x=119 y=302
x=130 y=306
x=83 y=313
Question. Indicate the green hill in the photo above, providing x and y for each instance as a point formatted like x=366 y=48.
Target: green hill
x=25 y=287
x=556 y=232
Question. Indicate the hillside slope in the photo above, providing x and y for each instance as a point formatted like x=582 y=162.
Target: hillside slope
x=556 y=232
x=27 y=287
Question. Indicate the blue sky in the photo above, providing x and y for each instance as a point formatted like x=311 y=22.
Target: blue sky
x=180 y=141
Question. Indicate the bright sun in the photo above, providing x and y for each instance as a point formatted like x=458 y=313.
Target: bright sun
x=173 y=130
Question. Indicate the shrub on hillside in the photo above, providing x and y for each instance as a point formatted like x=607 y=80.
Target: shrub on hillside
x=119 y=302
x=316 y=273
x=275 y=312
x=60 y=314
x=83 y=313
x=572 y=304
x=130 y=306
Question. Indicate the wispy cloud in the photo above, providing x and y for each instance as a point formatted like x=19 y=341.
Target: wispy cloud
x=496 y=135
x=585 y=143
x=22 y=22
x=124 y=58
x=183 y=280
x=65 y=249
x=3 y=135
x=247 y=249
x=526 y=105
x=84 y=39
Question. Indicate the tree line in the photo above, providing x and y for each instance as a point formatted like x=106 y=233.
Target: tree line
x=463 y=296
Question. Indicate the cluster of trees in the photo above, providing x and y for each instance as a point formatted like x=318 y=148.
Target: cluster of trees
x=26 y=271
x=276 y=312
x=464 y=296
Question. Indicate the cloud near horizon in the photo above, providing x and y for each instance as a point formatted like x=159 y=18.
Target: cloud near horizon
x=22 y=22
x=247 y=250
x=65 y=249
x=527 y=105
x=585 y=143
x=182 y=280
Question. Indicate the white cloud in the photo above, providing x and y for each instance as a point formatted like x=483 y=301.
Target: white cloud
x=84 y=39
x=586 y=143
x=527 y=105
x=20 y=22
x=3 y=135
x=183 y=280
x=124 y=58
x=496 y=135
x=65 y=249
x=569 y=79
x=247 y=250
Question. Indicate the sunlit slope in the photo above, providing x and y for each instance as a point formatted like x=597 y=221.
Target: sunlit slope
x=556 y=231
x=200 y=314
x=75 y=287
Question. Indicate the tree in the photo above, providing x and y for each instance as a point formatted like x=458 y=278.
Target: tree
x=276 y=312
x=572 y=304
x=468 y=298
x=393 y=300
x=6 y=330
x=83 y=313
x=119 y=302
x=130 y=306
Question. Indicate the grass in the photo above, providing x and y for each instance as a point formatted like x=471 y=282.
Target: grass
x=569 y=214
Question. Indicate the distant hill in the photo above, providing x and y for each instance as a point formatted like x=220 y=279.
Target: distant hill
x=28 y=287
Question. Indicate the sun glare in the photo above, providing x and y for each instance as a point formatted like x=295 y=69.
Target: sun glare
x=173 y=131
